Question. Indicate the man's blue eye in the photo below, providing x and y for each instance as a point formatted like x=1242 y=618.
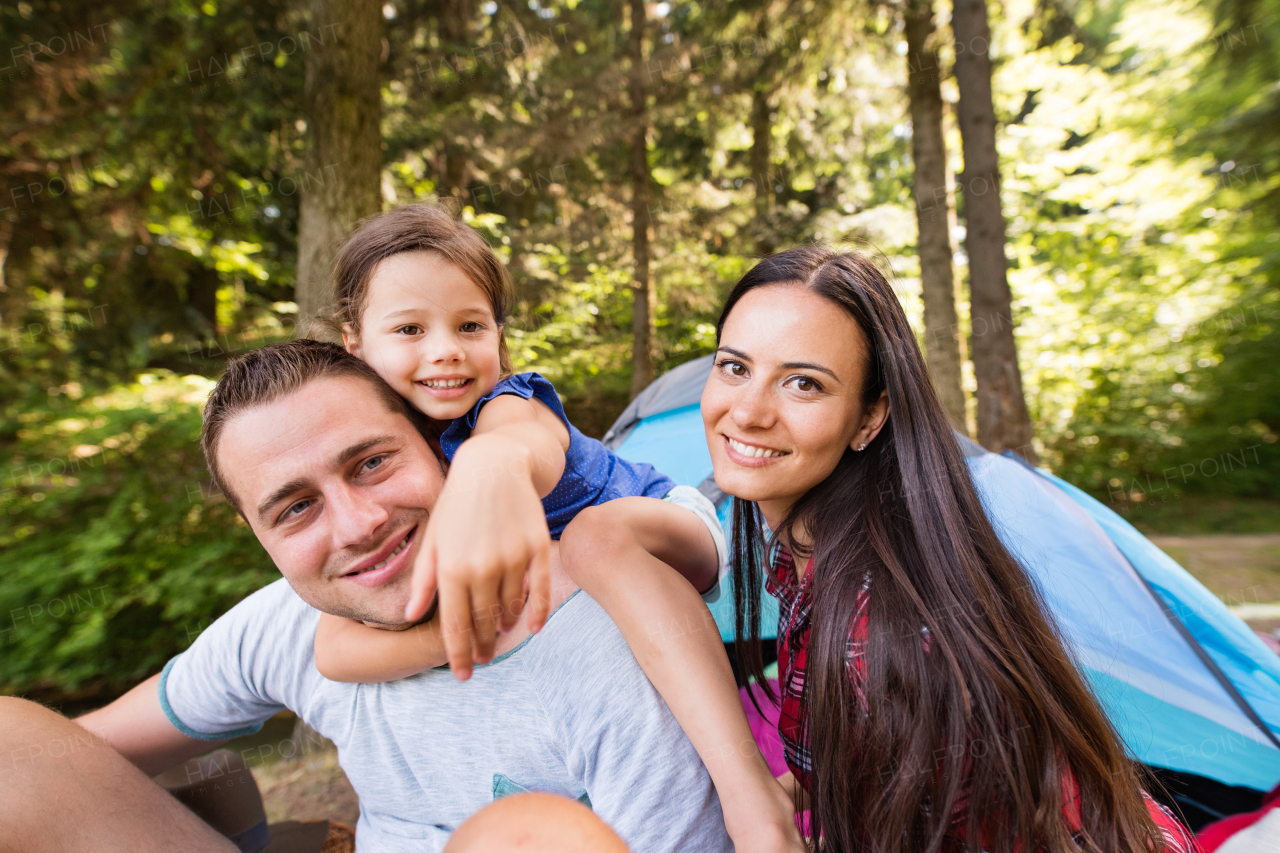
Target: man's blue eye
x=374 y=462
x=297 y=508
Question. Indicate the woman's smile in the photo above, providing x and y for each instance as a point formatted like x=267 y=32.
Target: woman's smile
x=754 y=455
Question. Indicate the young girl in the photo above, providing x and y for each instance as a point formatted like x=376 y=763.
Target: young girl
x=928 y=704
x=422 y=298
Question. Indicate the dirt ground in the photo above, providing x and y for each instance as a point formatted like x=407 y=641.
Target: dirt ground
x=1242 y=570
x=309 y=788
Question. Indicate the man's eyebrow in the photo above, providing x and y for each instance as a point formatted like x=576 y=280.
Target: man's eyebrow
x=356 y=449
x=279 y=495
x=300 y=483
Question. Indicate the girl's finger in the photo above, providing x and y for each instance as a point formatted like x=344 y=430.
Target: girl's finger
x=422 y=584
x=456 y=627
x=539 y=602
x=485 y=607
x=512 y=597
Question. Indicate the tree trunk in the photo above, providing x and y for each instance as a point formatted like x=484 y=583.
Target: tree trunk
x=456 y=20
x=642 y=312
x=6 y=235
x=1003 y=421
x=761 y=133
x=761 y=130
x=944 y=345
x=343 y=164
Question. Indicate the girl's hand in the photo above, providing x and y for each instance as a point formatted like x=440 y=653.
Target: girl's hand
x=487 y=531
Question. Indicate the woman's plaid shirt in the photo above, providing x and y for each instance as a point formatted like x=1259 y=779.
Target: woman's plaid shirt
x=795 y=604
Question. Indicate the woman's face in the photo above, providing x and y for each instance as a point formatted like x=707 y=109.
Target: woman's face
x=784 y=399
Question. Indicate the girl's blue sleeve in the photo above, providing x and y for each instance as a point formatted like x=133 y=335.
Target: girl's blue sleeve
x=524 y=385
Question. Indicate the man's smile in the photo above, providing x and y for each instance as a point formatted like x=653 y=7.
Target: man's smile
x=381 y=567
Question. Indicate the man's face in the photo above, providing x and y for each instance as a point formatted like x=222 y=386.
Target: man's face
x=337 y=489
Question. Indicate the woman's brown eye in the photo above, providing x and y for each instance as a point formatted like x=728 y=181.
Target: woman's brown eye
x=804 y=384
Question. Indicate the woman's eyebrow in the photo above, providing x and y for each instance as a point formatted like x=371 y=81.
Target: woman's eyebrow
x=735 y=353
x=804 y=365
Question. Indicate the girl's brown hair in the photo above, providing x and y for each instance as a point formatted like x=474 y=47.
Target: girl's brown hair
x=419 y=227
x=981 y=736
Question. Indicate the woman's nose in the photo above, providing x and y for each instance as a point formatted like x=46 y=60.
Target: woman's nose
x=753 y=407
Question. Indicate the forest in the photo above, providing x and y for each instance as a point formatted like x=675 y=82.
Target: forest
x=1095 y=286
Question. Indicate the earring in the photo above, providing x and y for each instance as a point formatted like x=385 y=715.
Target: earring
x=862 y=447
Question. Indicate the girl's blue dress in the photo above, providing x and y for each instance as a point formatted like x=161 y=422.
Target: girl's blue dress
x=592 y=473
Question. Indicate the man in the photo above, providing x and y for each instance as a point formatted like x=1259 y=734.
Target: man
x=326 y=465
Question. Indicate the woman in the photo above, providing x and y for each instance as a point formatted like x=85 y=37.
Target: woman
x=928 y=703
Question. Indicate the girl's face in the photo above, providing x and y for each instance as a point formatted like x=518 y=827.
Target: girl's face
x=430 y=332
x=784 y=400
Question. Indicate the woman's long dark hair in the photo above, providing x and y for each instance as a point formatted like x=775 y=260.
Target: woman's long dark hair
x=976 y=737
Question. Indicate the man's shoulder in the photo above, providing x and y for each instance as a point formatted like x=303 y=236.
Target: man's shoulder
x=579 y=642
x=277 y=599
x=263 y=616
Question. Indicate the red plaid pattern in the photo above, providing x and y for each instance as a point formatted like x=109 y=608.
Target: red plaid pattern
x=795 y=604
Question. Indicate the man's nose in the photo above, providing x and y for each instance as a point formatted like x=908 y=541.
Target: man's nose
x=356 y=519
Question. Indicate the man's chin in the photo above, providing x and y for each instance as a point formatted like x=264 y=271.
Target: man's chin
x=387 y=614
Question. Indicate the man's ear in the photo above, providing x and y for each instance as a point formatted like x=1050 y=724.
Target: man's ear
x=873 y=420
x=351 y=342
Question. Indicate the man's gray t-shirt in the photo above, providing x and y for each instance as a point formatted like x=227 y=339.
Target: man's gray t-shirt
x=568 y=711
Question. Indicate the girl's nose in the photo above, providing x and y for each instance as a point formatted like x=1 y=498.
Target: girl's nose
x=443 y=347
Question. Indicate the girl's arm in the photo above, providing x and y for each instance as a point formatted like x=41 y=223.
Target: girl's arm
x=488 y=529
x=643 y=561
x=347 y=650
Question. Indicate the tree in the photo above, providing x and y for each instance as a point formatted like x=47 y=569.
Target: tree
x=638 y=121
x=341 y=182
x=1002 y=418
x=944 y=345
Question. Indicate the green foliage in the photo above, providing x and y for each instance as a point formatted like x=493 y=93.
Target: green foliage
x=114 y=548
x=115 y=551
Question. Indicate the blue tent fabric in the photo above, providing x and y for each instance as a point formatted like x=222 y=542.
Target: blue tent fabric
x=1111 y=592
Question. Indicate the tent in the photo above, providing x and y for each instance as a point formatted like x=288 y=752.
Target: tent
x=1190 y=688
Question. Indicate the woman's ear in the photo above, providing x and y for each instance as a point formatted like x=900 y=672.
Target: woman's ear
x=873 y=420
x=351 y=342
